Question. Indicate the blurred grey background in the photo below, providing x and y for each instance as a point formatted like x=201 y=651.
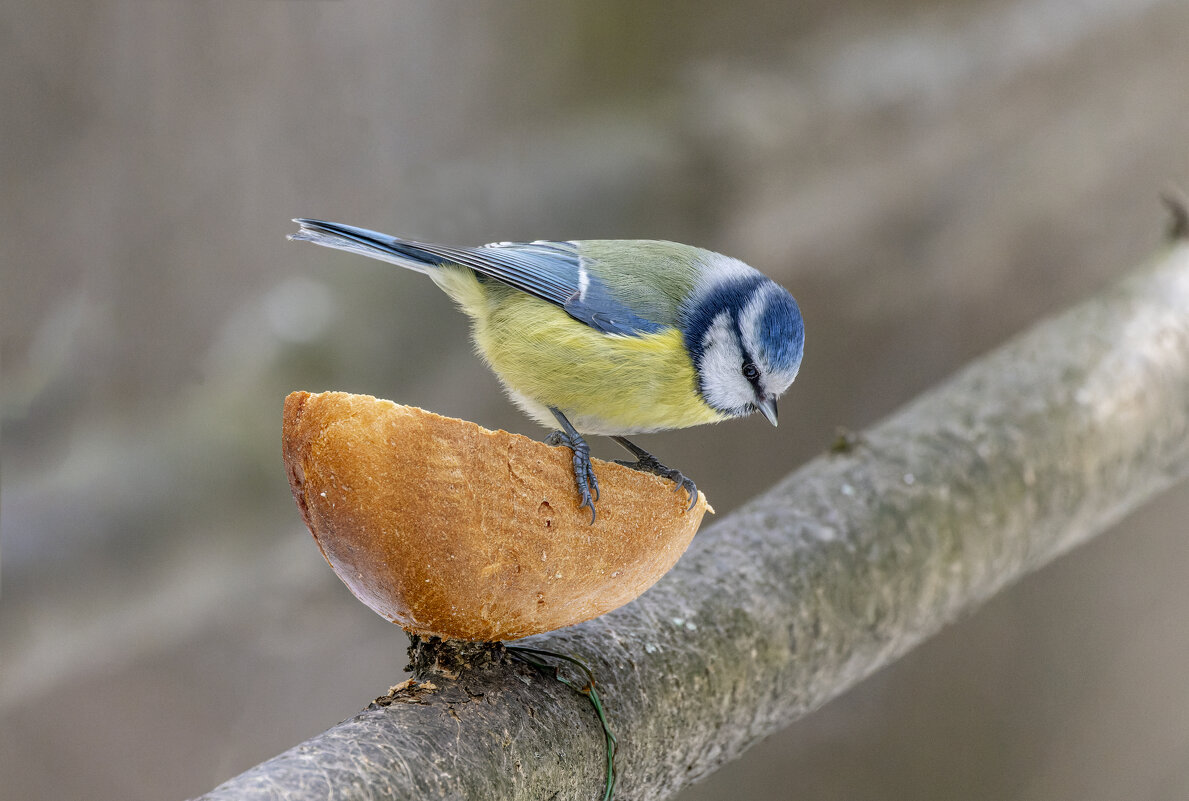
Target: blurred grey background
x=927 y=178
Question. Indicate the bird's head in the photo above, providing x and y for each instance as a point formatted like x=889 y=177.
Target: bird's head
x=745 y=335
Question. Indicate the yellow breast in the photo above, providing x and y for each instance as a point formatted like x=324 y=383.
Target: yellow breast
x=604 y=384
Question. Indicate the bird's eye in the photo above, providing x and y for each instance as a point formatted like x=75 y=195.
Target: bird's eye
x=750 y=371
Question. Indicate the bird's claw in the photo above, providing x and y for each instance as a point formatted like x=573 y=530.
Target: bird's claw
x=584 y=475
x=649 y=464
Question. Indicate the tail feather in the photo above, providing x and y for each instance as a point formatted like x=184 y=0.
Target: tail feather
x=365 y=243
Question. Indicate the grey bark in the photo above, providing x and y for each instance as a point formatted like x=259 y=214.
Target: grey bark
x=835 y=572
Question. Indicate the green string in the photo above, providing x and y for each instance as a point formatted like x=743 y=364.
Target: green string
x=527 y=655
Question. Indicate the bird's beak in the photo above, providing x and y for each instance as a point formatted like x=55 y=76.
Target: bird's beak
x=768 y=407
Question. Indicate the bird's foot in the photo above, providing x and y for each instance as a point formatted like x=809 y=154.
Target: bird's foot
x=647 y=463
x=584 y=475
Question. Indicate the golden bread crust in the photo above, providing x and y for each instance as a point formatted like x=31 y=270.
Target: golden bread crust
x=450 y=529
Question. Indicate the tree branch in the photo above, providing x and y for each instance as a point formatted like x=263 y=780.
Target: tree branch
x=832 y=574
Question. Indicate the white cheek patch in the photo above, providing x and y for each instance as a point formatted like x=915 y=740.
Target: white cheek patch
x=723 y=384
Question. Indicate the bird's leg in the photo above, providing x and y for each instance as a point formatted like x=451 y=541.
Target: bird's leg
x=647 y=463
x=583 y=470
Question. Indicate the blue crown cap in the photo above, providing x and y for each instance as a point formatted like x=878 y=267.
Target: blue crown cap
x=784 y=331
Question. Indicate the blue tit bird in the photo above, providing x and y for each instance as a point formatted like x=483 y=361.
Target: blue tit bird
x=610 y=337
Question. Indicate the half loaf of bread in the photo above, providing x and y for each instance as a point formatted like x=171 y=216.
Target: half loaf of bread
x=448 y=529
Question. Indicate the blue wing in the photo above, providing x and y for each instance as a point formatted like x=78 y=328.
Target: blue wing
x=551 y=271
